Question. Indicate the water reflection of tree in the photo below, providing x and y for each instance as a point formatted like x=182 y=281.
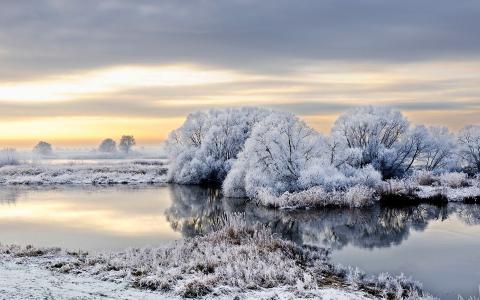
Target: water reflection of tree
x=197 y=210
x=9 y=195
x=468 y=213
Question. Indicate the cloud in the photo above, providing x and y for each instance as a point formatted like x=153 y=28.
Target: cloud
x=40 y=36
x=148 y=59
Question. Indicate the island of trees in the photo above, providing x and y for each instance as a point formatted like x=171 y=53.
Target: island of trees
x=370 y=153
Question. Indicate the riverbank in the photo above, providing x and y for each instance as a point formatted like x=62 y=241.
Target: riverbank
x=421 y=187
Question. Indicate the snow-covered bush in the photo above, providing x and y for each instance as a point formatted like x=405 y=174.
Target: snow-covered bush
x=423 y=177
x=469 y=144
x=453 y=179
x=317 y=196
x=8 y=157
x=205 y=146
x=399 y=187
x=332 y=178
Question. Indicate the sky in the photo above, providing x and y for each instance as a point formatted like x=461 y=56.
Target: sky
x=75 y=72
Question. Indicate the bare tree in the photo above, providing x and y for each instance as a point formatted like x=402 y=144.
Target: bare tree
x=8 y=156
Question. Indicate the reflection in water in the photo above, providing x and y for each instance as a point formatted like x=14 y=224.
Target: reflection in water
x=435 y=245
x=91 y=218
x=9 y=195
x=197 y=210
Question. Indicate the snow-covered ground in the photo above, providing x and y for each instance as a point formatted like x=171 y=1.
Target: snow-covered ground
x=20 y=281
x=455 y=187
x=108 y=172
x=237 y=260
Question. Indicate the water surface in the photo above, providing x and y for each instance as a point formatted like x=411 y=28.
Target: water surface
x=435 y=245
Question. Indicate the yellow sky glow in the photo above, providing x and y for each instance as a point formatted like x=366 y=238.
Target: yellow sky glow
x=115 y=79
x=85 y=130
x=150 y=101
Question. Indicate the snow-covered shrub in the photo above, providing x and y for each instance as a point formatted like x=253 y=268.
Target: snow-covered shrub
x=423 y=177
x=331 y=178
x=358 y=196
x=8 y=157
x=469 y=144
x=205 y=146
x=453 y=179
x=406 y=186
x=317 y=196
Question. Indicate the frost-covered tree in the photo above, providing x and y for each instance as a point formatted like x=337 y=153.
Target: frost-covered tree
x=383 y=138
x=371 y=129
x=205 y=146
x=469 y=147
x=278 y=151
x=284 y=155
x=126 y=143
x=440 y=155
x=340 y=154
x=107 y=146
x=43 y=148
x=401 y=158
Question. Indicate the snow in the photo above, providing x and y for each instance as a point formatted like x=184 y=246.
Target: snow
x=28 y=280
x=20 y=281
